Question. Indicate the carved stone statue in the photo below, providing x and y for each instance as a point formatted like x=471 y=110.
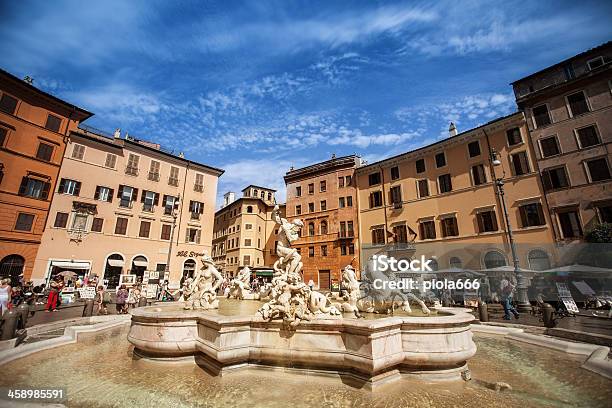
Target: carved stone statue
x=240 y=284
x=350 y=291
x=290 y=298
x=202 y=291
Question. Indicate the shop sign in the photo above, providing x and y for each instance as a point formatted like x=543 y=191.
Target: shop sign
x=191 y=254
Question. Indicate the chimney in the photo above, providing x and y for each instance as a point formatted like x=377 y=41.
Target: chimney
x=452 y=130
x=117 y=133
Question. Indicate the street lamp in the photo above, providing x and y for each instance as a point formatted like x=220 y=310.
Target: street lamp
x=175 y=208
x=521 y=288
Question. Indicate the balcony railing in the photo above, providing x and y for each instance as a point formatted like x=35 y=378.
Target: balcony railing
x=132 y=171
x=153 y=176
x=195 y=216
x=346 y=234
x=198 y=187
x=173 y=181
x=148 y=207
x=125 y=203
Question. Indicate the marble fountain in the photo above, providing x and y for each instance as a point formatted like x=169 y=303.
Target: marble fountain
x=302 y=330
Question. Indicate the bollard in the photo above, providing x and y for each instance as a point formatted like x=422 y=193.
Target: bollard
x=24 y=310
x=548 y=315
x=142 y=301
x=88 y=308
x=483 y=312
x=9 y=324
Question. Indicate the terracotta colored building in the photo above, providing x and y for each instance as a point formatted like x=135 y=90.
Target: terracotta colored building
x=112 y=213
x=33 y=133
x=245 y=233
x=324 y=197
x=569 y=114
x=441 y=201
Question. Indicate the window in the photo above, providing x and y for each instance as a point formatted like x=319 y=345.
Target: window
x=248 y=226
x=323 y=186
x=587 y=136
x=298 y=191
x=378 y=236
x=298 y=209
x=570 y=224
x=126 y=194
x=474 y=149
x=343 y=249
x=449 y=227
x=121 y=226
x=549 y=146
x=514 y=136
x=192 y=235
x=24 y=222
x=111 y=161
x=78 y=151
x=34 y=188
x=174 y=175
x=444 y=181
x=400 y=234
x=311 y=229
x=61 y=220
x=97 y=224
x=53 y=123
x=538 y=260
x=494 y=259
x=323 y=250
x=149 y=200
x=577 y=103
x=311 y=188
x=375 y=199
x=103 y=194
x=531 y=215
x=487 y=221
x=196 y=209
x=478 y=175
x=374 y=179
x=246 y=260
x=71 y=187
x=199 y=184
x=311 y=251
x=440 y=160
x=145 y=229
x=247 y=242
x=395 y=173
x=323 y=205
x=341 y=202
x=554 y=178
x=348 y=180
x=249 y=209
x=79 y=222
x=3 y=133
x=427 y=229
x=132 y=165
x=598 y=169
x=420 y=165
x=568 y=69
x=351 y=248
x=154 y=171
x=541 y=116
x=311 y=207
x=169 y=204
x=595 y=63
x=323 y=227
x=423 y=188
x=44 y=152
x=396 y=195
x=605 y=212
x=8 y=104
x=343 y=233
x=520 y=163
x=349 y=229
x=340 y=182
x=349 y=201
x=165 y=232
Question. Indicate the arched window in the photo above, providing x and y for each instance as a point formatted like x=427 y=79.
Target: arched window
x=323 y=227
x=538 y=260
x=494 y=259
x=11 y=267
x=249 y=209
x=455 y=263
x=189 y=267
x=112 y=271
x=311 y=229
x=139 y=266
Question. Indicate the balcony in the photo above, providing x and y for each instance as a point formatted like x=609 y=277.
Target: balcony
x=173 y=182
x=346 y=235
x=131 y=171
x=153 y=176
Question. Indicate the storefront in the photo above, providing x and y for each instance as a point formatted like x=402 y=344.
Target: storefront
x=69 y=270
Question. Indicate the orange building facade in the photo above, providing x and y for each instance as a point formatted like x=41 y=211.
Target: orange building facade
x=34 y=128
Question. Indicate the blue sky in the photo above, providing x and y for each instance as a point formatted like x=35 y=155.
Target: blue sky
x=255 y=87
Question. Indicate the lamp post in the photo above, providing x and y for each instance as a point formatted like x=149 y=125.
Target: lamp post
x=175 y=207
x=521 y=288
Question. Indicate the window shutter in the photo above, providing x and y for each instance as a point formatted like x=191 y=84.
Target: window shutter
x=62 y=185
x=120 y=191
x=97 y=193
x=198 y=236
x=164 y=199
x=23 y=186
x=143 y=195
x=190 y=206
x=77 y=188
x=540 y=213
x=156 y=199
x=201 y=208
x=187 y=235
x=111 y=192
x=546 y=181
x=480 y=222
x=45 y=191
x=523 y=217
x=134 y=195
x=494 y=220
x=371 y=200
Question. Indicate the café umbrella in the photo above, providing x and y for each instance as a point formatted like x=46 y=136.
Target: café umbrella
x=578 y=269
x=500 y=271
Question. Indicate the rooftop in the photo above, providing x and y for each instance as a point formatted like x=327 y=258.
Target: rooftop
x=259 y=187
x=334 y=162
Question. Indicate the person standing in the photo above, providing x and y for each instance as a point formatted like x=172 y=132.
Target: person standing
x=507 y=290
x=5 y=295
x=53 y=295
x=122 y=295
x=101 y=301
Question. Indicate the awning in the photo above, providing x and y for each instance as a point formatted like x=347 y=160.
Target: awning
x=140 y=263
x=264 y=273
x=71 y=265
x=116 y=262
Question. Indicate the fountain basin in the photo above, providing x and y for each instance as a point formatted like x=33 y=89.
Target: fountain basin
x=369 y=352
